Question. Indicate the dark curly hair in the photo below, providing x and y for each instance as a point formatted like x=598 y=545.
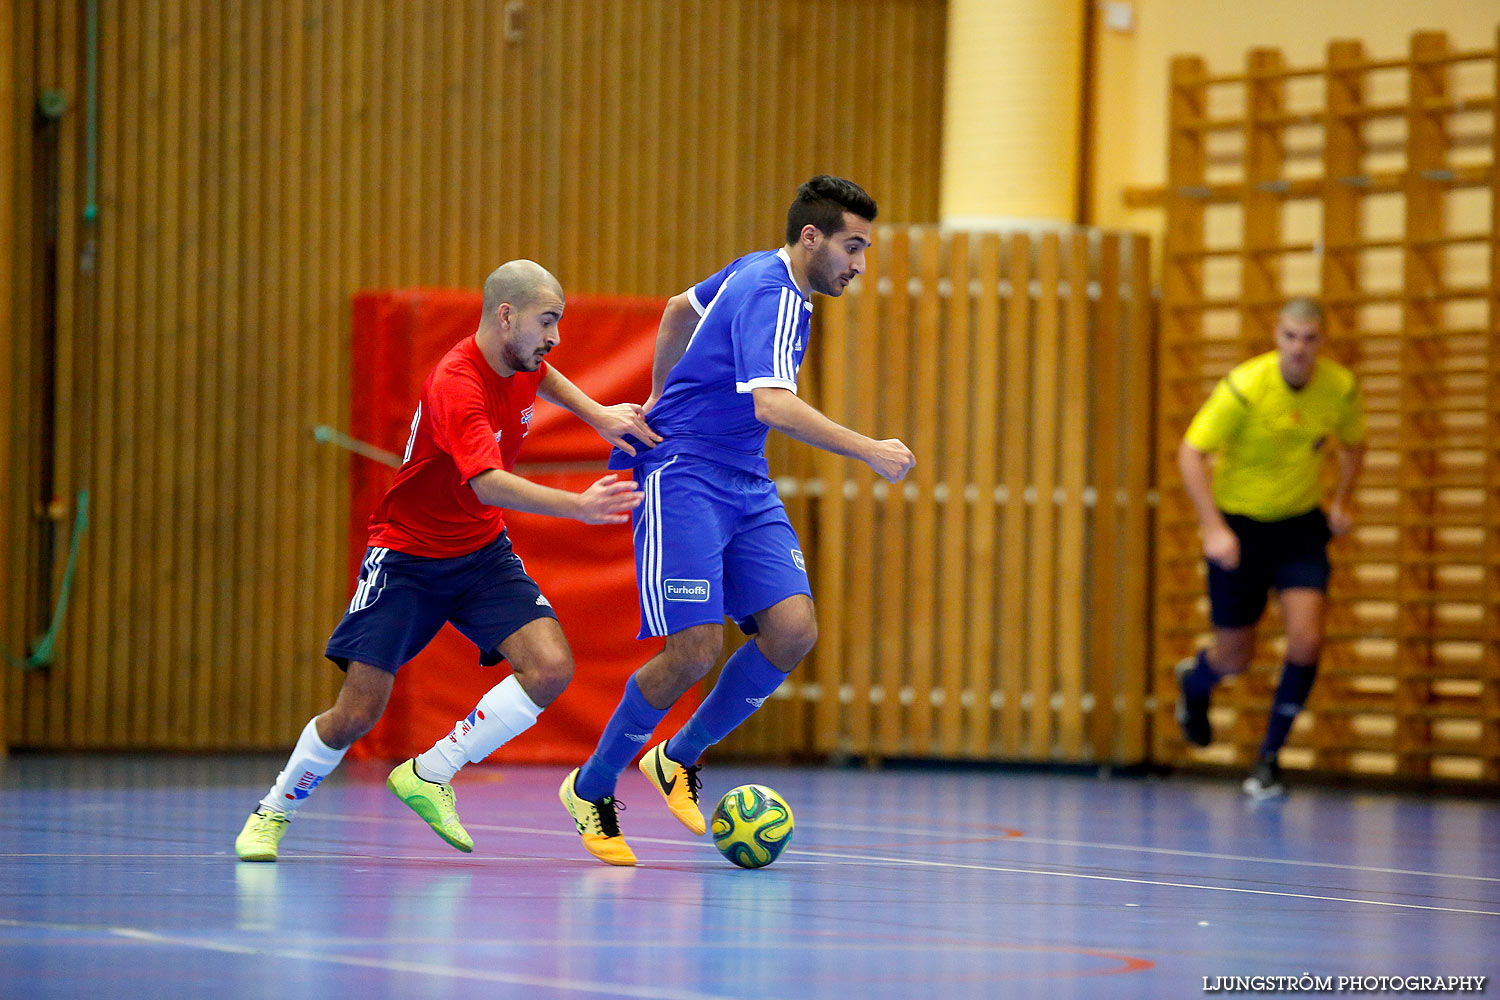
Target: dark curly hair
x=823 y=201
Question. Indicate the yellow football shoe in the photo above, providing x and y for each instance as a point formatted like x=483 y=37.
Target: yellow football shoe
x=678 y=784
x=597 y=823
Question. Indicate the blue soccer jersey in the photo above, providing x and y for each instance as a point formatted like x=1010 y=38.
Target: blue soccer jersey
x=752 y=332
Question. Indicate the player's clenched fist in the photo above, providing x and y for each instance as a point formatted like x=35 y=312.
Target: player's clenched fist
x=891 y=459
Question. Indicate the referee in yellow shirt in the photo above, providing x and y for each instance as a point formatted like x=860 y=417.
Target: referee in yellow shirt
x=1251 y=463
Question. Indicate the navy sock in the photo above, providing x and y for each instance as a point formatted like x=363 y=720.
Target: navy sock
x=628 y=732
x=1201 y=680
x=746 y=681
x=1291 y=694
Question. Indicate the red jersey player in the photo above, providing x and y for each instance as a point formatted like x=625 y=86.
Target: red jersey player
x=439 y=553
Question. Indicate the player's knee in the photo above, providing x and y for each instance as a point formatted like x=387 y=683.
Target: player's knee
x=548 y=677
x=340 y=726
x=1227 y=663
x=790 y=643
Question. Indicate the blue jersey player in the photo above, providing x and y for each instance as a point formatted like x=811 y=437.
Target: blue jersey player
x=712 y=537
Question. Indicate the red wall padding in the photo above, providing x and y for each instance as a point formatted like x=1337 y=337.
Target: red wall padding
x=587 y=572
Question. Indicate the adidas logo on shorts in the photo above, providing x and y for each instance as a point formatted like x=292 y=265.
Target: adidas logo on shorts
x=757 y=702
x=541 y=600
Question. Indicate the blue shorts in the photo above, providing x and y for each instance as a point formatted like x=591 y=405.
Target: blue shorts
x=402 y=601
x=1284 y=554
x=711 y=541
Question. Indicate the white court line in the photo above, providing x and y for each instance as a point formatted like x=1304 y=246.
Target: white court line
x=1138 y=881
x=919 y=863
x=1024 y=839
x=387 y=965
x=963 y=866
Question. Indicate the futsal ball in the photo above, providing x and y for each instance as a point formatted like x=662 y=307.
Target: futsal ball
x=752 y=825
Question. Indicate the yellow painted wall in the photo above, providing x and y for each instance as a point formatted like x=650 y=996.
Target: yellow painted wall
x=1011 y=111
x=1130 y=82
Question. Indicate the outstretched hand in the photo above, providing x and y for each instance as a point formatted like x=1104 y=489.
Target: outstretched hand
x=608 y=501
x=621 y=419
x=891 y=459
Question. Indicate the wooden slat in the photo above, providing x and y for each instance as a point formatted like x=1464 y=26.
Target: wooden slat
x=1073 y=457
x=832 y=527
x=922 y=578
x=893 y=599
x=1426 y=148
x=1138 y=403
x=1014 y=581
x=1182 y=282
x=1109 y=434
x=12 y=636
x=1491 y=515
x=859 y=673
x=957 y=569
x=1041 y=546
x=984 y=441
x=1260 y=278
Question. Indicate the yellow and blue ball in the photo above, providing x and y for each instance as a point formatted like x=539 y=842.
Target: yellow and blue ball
x=752 y=825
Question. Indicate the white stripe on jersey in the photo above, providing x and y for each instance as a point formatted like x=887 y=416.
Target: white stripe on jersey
x=780 y=341
x=412 y=440
x=789 y=341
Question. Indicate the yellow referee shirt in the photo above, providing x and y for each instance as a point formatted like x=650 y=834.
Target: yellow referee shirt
x=1269 y=439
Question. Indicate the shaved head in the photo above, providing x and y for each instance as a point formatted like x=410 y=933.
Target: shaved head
x=519 y=282
x=1303 y=310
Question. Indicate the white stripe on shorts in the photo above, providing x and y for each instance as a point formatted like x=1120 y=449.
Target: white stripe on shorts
x=369 y=574
x=649 y=580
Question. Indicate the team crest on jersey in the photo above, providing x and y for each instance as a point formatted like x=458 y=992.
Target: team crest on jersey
x=526 y=421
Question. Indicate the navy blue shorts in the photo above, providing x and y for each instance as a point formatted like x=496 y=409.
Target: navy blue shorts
x=1284 y=554
x=402 y=601
x=710 y=541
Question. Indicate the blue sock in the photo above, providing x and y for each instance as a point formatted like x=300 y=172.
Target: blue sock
x=746 y=681
x=1201 y=680
x=1291 y=694
x=628 y=732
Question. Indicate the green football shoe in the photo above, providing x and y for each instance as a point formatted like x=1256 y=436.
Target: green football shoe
x=262 y=834
x=433 y=802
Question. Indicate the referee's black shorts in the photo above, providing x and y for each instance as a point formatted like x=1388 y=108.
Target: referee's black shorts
x=1292 y=552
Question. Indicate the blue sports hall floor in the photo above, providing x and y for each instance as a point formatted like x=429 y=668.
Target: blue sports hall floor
x=119 y=880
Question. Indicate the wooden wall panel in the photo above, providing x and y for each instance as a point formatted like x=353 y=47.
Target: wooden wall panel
x=12 y=512
x=260 y=162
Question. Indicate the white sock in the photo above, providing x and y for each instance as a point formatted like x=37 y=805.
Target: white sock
x=504 y=713
x=310 y=762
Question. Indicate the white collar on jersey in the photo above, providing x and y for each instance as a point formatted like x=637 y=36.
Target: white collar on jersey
x=786 y=259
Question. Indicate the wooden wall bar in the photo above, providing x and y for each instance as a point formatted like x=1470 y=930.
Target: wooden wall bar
x=258 y=163
x=991 y=606
x=1394 y=165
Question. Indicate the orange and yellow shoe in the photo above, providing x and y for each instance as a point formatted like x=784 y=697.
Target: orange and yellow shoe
x=597 y=823
x=678 y=784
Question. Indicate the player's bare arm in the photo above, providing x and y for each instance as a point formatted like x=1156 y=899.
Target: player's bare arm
x=1220 y=544
x=612 y=423
x=606 y=501
x=678 y=321
x=783 y=410
x=1351 y=460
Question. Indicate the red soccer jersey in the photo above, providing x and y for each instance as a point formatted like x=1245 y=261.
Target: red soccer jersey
x=468 y=420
